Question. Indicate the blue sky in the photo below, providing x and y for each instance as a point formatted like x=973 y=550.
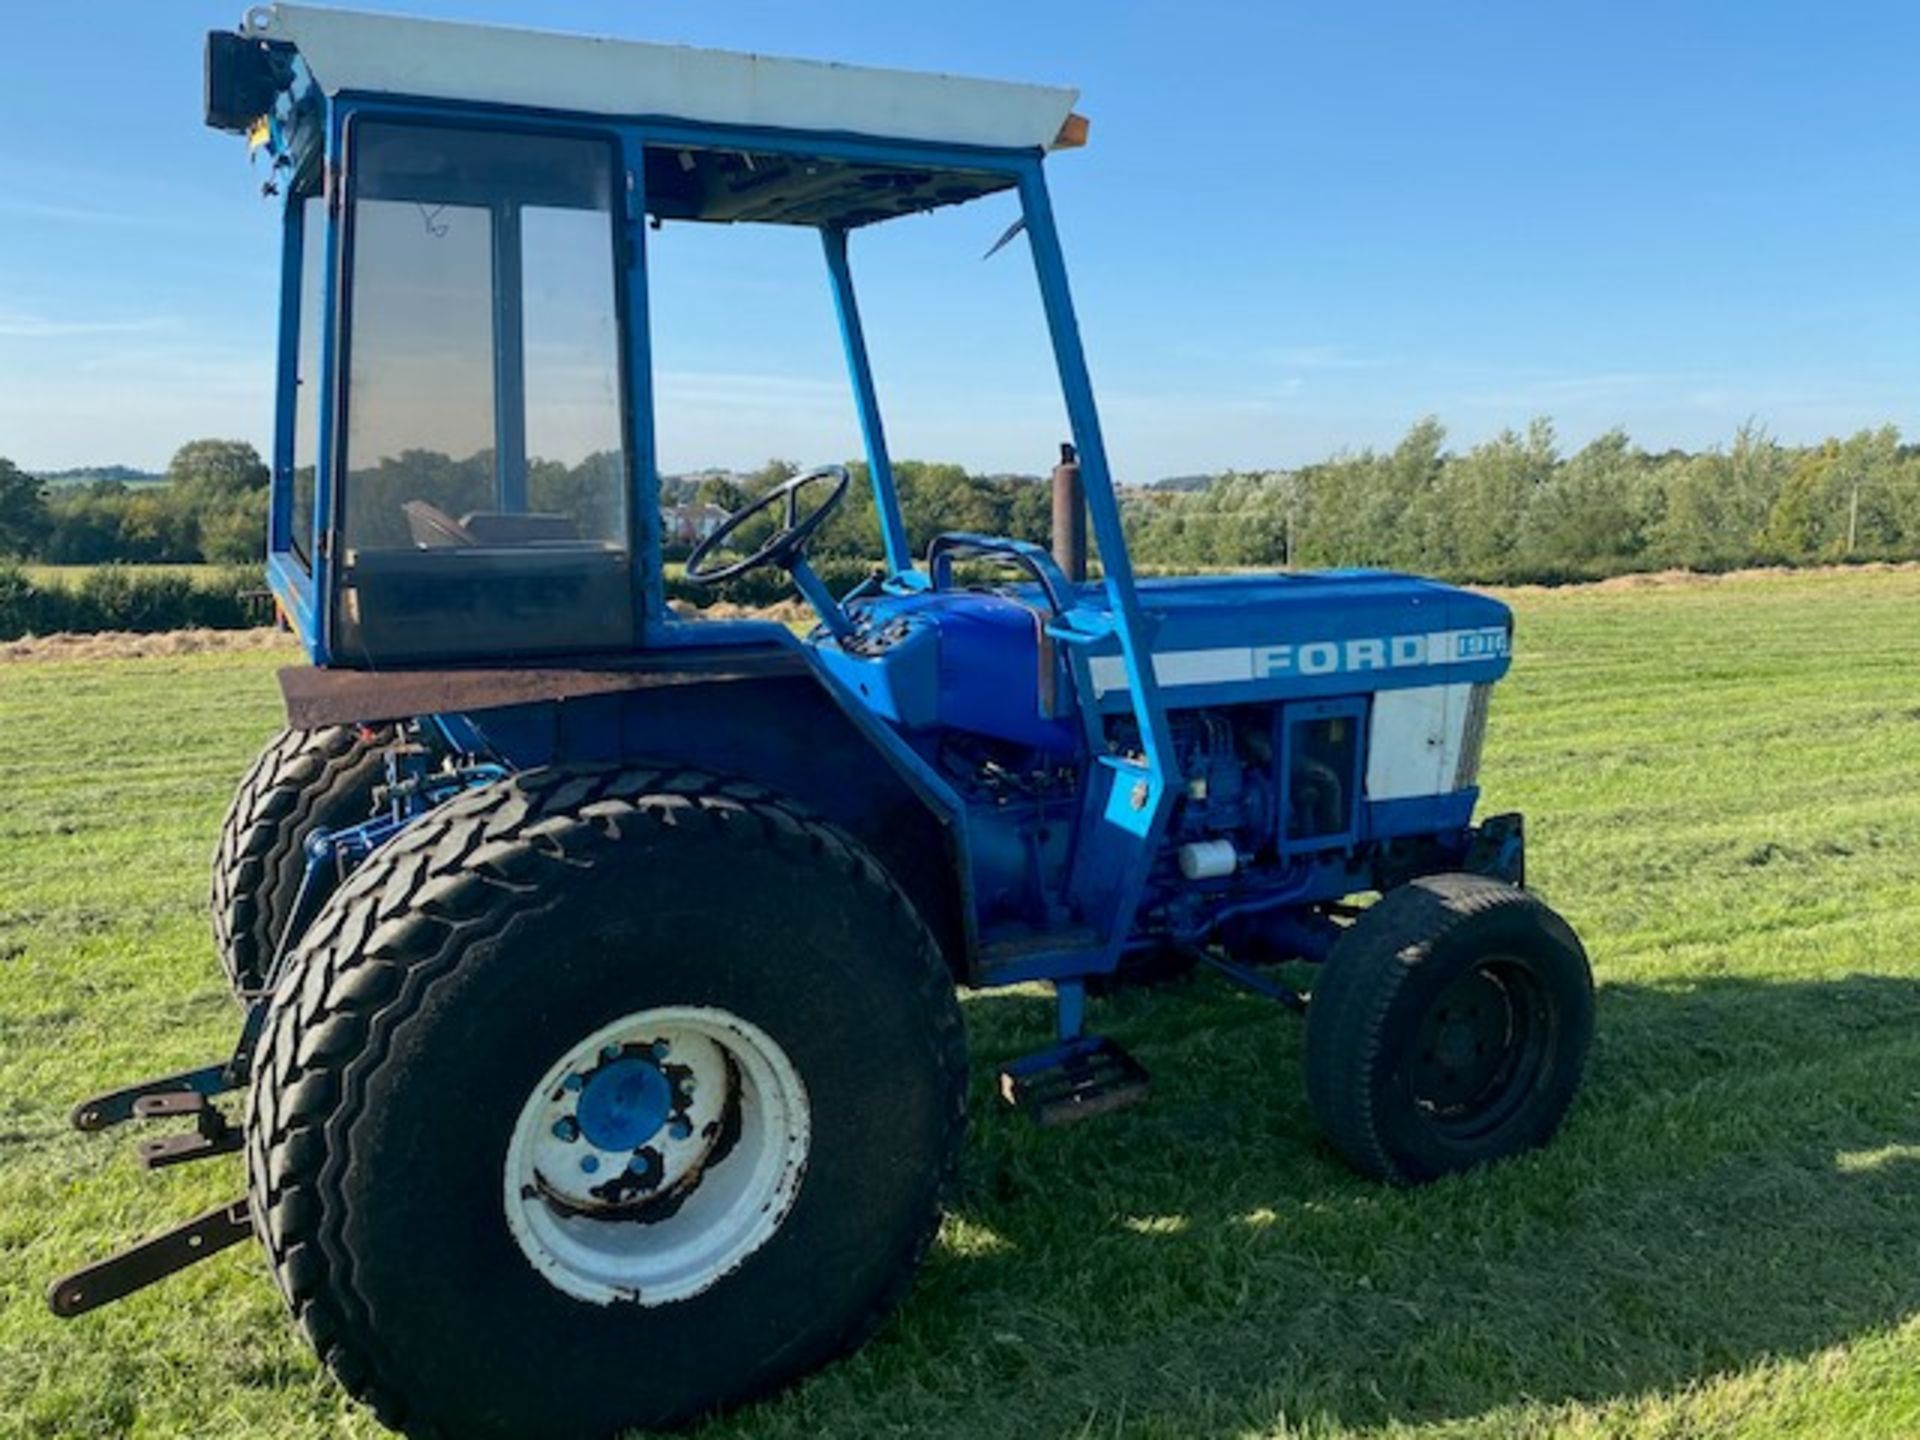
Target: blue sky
x=1298 y=227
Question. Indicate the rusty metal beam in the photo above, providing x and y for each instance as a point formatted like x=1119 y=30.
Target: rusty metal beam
x=317 y=696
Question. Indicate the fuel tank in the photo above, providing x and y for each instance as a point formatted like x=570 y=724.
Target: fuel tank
x=981 y=661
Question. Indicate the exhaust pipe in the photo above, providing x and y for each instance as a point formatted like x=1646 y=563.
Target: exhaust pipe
x=1069 y=516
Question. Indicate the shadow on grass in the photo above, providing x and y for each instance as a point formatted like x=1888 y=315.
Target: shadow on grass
x=1738 y=1183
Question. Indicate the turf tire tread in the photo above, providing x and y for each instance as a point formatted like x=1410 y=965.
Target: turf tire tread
x=463 y=873
x=256 y=862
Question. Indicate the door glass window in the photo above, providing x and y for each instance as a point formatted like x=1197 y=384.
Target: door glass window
x=486 y=480
x=420 y=429
x=571 y=337
x=306 y=378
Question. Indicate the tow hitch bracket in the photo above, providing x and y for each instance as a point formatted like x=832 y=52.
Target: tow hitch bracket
x=116 y=1107
x=155 y=1258
x=213 y=1133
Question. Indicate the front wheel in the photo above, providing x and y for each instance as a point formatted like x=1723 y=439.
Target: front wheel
x=1449 y=1029
x=603 y=1100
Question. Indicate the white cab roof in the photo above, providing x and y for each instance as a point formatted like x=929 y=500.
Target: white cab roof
x=434 y=59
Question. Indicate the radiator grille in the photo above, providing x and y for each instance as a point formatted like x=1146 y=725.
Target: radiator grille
x=1474 y=736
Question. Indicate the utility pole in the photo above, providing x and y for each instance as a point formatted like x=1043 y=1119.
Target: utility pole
x=1853 y=517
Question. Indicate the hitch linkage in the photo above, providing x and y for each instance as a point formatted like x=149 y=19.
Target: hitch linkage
x=116 y=1107
x=154 y=1258
x=411 y=788
x=188 y=1093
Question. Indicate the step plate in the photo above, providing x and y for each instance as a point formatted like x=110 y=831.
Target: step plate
x=1075 y=1082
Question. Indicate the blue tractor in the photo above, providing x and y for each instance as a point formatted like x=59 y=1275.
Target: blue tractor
x=602 y=1065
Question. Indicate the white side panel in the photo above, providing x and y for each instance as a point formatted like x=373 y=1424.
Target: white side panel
x=1414 y=745
x=398 y=55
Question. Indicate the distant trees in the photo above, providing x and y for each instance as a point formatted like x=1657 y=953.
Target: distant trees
x=1846 y=495
x=934 y=497
x=1587 y=511
x=212 y=508
x=1514 y=507
x=219 y=489
x=23 y=512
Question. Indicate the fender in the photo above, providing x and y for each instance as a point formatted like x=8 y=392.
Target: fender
x=708 y=708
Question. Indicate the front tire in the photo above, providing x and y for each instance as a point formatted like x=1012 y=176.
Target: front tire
x=1449 y=1029
x=520 y=990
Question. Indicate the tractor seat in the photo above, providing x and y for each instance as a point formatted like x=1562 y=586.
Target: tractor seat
x=433 y=529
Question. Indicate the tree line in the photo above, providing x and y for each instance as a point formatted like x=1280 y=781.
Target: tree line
x=211 y=510
x=1513 y=507
x=1517 y=507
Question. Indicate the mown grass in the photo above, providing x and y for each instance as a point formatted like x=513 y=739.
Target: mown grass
x=71 y=576
x=1723 y=783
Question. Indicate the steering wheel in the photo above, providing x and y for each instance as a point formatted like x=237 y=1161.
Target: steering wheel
x=789 y=542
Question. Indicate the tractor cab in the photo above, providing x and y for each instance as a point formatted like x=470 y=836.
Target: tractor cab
x=464 y=461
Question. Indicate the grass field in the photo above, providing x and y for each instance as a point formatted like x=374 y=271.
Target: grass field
x=1723 y=786
x=70 y=576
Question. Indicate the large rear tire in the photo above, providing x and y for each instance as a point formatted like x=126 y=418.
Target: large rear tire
x=489 y=1185
x=303 y=780
x=1449 y=1029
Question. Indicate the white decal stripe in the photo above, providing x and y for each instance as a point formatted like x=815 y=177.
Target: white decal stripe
x=1237 y=665
x=1109 y=672
x=1201 y=667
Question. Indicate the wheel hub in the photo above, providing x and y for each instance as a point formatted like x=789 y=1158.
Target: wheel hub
x=1465 y=1042
x=624 y=1103
x=656 y=1155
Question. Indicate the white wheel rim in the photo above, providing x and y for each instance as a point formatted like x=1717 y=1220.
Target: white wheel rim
x=656 y=1155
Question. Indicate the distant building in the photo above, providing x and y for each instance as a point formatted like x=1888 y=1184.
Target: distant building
x=691 y=523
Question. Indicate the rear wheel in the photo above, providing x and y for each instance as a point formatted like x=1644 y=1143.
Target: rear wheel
x=603 y=1100
x=302 y=781
x=1449 y=1029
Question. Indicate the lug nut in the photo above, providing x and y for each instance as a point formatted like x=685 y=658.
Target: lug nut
x=567 y=1129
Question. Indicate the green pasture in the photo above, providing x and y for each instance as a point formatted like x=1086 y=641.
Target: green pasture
x=1722 y=783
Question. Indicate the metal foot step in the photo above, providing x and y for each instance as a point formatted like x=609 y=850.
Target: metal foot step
x=1075 y=1081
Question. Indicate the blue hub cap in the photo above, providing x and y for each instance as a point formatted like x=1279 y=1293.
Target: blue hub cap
x=624 y=1104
